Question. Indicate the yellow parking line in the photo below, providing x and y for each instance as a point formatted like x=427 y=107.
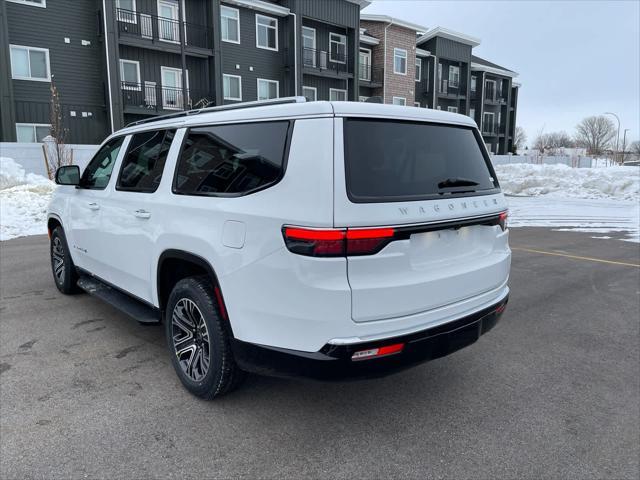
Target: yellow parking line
x=590 y=259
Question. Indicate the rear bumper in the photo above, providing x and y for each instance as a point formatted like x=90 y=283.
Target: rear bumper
x=333 y=362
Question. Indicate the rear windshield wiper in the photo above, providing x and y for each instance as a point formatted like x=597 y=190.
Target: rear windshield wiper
x=456 y=182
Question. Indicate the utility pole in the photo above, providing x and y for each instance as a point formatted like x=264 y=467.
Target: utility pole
x=618 y=135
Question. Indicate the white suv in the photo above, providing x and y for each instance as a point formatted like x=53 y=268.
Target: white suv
x=321 y=239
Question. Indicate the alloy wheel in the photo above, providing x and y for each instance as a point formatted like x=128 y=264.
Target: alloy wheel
x=190 y=339
x=57 y=254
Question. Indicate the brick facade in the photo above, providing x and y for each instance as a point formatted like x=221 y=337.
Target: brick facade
x=397 y=85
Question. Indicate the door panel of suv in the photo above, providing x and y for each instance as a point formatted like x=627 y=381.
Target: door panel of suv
x=130 y=213
x=85 y=207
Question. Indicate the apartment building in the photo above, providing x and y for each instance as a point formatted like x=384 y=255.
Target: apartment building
x=390 y=63
x=118 y=61
x=494 y=100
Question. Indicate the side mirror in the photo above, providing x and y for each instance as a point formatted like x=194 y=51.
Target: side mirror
x=68 y=175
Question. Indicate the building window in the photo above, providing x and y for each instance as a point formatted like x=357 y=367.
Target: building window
x=400 y=61
x=490 y=90
x=416 y=104
x=32 y=132
x=130 y=74
x=337 y=95
x=362 y=98
x=487 y=122
x=232 y=87
x=454 y=76
x=473 y=83
x=309 y=47
x=472 y=113
x=418 y=69
x=310 y=93
x=266 y=32
x=399 y=101
x=127 y=11
x=268 y=89
x=452 y=109
x=365 y=64
x=30 y=63
x=35 y=3
x=337 y=48
x=230 y=24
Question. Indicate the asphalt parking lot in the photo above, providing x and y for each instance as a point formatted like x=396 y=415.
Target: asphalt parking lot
x=552 y=391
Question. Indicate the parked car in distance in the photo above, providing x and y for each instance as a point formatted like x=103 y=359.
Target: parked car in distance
x=328 y=240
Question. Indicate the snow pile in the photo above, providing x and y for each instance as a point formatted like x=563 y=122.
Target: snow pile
x=615 y=183
x=23 y=201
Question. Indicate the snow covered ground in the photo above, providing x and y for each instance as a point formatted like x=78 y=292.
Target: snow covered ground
x=596 y=200
x=23 y=201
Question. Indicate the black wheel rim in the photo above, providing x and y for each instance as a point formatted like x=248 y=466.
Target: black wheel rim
x=57 y=259
x=190 y=339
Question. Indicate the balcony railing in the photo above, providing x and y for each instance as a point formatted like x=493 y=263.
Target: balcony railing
x=151 y=97
x=152 y=27
x=325 y=60
x=367 y=73
x=490 y=129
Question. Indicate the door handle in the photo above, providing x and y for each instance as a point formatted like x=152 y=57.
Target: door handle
x=142 y=214
x=93 y=206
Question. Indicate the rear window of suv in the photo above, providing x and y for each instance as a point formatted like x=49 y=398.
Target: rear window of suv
x=231 y=160
x=391 y=161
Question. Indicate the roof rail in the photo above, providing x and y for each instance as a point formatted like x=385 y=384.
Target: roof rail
x=221 y=108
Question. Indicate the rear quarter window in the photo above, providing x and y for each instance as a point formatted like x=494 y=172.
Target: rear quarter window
x=232 y=160
x=389 y=160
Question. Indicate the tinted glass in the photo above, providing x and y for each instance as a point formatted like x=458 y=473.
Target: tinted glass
x=231 y=159
x=394 y=161
x=144 y=161
x=98 y=172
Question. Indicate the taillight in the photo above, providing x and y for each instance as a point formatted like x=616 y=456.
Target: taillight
x=336 y=242
x=502 y=220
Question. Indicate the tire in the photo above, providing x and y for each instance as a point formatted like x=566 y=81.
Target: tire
x=64 y=271
x=198 y=340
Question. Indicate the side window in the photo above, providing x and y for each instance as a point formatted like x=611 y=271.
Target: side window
x=98 y=172
x=231 y=159
x=144 y=161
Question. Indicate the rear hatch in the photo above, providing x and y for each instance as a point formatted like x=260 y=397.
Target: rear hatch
x=434 y=185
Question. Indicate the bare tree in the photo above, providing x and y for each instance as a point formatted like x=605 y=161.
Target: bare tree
x=553 y=142
x=519 y=139
x=595 y=134
x=57 y=153
x=635 y=147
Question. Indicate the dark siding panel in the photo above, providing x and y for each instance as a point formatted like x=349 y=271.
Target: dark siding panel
x=338 y=12
x=453 y=50
x=77 y=69
x=322 y=34
x=255 y=62
x=323 y=85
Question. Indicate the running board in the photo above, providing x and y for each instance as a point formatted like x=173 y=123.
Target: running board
x=136 y=309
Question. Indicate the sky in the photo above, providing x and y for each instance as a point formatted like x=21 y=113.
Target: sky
x=574 y=58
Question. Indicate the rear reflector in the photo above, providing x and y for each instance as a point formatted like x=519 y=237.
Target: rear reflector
x=377 y=352
x=336 y=242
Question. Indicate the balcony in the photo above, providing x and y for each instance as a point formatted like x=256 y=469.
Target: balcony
x=326 y=63
x=449 y=90
x=490 y=129
x=150 y=98
x=493 y=99
x=371 y=77
x=144 y=30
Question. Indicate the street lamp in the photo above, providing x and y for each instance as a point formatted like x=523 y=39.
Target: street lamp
x=618 y=135
x=624 y=143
